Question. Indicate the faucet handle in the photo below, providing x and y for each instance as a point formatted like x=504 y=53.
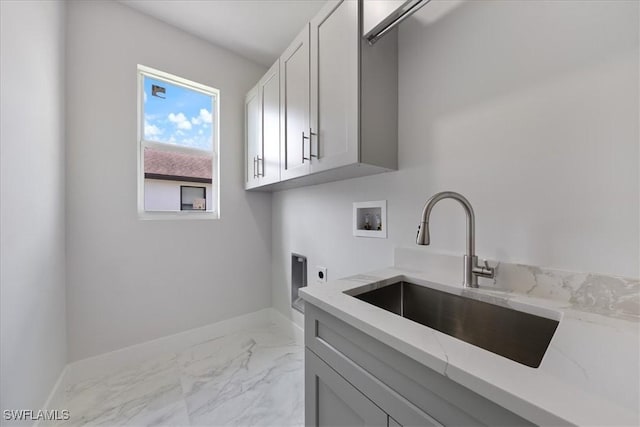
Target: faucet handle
x=485 y=270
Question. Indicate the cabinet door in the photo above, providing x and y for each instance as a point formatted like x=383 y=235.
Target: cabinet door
x=294 y=113
x=253 y=140
x=268 y=157
x=334 y=85
x=331 y=401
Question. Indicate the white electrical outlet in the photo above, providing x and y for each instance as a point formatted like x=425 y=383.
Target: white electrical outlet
x=320 y=274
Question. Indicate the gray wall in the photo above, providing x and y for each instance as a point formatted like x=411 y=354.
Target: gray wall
x=530 y=109
x=32 y=240
x=132 y=280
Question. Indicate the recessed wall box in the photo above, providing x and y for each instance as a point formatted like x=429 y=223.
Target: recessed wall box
x=298 y=280
x=370 y=219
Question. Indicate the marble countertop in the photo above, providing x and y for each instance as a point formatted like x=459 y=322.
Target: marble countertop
x=590 y=374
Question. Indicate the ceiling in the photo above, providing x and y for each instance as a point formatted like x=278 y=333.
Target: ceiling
x=259 y=30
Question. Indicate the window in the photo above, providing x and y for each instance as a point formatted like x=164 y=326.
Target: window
x=193 y=198
x=177 y=147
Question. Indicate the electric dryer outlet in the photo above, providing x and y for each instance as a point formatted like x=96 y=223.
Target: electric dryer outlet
x=320 y=274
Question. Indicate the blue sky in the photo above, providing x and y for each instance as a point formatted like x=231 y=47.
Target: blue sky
x=182 y=118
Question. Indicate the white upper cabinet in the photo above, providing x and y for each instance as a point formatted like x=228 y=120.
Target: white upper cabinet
x=294 y=108
x=338 y=103
x=262 y=127
x=269 y=171
x=252 y=136
x=334 y=86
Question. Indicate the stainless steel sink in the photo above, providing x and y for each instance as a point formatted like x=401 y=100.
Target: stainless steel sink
x=513 y=334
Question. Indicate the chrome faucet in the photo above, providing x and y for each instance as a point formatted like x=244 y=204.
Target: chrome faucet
x=471 y=268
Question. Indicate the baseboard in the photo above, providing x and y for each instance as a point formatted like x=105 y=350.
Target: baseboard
x=288 y=325
x=55 y=398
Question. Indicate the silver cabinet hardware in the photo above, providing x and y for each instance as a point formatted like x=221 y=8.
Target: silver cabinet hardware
x=311 y=135
x=303 y=138
x=260 y=160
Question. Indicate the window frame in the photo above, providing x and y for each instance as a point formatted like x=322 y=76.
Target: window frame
x=214 y=213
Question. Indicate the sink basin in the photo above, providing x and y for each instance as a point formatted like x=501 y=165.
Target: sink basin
x=519 y=336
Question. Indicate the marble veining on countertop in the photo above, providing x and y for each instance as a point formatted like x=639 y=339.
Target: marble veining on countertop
x=590 y=292
x=590 y=374
x=611 y=296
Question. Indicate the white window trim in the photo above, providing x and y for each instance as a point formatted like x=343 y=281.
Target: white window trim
x=214 y=213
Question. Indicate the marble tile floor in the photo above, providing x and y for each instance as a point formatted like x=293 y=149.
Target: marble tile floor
x=250 y=378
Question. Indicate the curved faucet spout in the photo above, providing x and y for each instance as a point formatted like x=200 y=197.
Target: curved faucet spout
x=423 y=237
x=471 y=268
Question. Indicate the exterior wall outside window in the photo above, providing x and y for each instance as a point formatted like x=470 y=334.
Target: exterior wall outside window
x=163 y=195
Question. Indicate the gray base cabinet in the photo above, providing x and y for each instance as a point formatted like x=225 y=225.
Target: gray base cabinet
x=335 y=402
x=353 y=379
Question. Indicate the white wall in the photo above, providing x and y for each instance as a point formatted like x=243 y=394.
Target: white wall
x=530 y=109
x=32 y=222
x=132 y=280
x=164 y=195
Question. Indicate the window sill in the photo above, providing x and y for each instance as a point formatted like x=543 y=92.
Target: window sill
x=177 y=215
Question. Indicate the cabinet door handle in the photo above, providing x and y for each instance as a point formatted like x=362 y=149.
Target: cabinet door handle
x=255 y=175
x=303 y=157
x=258 y=161
x=312 y=134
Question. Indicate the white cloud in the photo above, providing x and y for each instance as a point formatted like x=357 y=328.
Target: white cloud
x=152 y=117
x=180 y=120
x=151 y=130
x=200 y=132
x=204 y=117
